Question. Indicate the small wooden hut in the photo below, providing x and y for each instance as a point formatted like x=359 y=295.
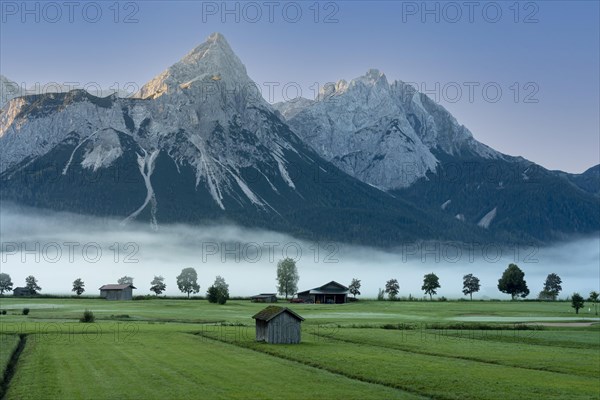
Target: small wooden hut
x=278 y=325
x=117 y=292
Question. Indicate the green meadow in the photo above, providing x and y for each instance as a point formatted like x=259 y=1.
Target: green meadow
x=157 y=349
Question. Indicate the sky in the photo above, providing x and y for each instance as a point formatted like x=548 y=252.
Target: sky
x=523 y=77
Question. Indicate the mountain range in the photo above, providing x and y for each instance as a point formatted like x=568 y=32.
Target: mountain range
x=10 y=89
x=367 y=161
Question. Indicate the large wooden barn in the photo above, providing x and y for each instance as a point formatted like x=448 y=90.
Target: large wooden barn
x=329 y=293
x=117 y=292
x=278 y=325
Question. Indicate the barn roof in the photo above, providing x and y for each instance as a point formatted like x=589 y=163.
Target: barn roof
x=329 y=288
x=117 y=286
x=263 y=295
x=272 y=311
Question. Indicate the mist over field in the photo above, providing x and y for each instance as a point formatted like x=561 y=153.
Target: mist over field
x=57 y=248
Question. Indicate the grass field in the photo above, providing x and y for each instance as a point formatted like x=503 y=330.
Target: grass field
x=192 y=349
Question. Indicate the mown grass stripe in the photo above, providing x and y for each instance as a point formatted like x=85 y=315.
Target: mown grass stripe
x=535 y=342
x=330 y=370
x=429 y=353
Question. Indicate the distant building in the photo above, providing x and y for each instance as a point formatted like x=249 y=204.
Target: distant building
x=117 y=292
x=21 y=291
x=329 y=293
x=278 y=325
x=264 y=298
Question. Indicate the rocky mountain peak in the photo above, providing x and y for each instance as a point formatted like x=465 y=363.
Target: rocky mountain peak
x=214 y=55
x=372 y=81
x=373 y=76
x=210 y=62
x=370 y=129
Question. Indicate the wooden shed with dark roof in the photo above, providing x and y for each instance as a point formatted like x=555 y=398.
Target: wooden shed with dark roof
x=264 y=298
x=278 y=325
x=21 y=292
x=117 y=292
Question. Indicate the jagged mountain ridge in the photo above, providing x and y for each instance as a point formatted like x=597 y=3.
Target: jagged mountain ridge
x=197 y=144
x=384 y=134
x=10 y=89
x=395 y=138
x=193 y=146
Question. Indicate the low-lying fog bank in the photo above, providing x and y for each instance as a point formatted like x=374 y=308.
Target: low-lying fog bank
x=57 y=248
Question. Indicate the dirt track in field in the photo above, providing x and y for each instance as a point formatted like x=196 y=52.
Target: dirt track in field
x=564 y=324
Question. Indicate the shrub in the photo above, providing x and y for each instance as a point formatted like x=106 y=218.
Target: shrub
x=380 y=295
x=88 y=317
x=25 y=311
x=3 y=312
x=120 y=316
x=144 y=297
x=401 y=326
x=361 y=326
x=233 y=324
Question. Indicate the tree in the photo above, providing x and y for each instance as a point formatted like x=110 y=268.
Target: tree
x=158 y=285
x=78 y=286
x=187 y=281
x=354 y=287
x=430 y=283
x=6 y=284
x=594 y=299
x=392 y=288
x=219 y=291
x=125 y=280
x=545 y=296
x=552 y=286
x=287 y=277
x=513 y=282
x=576 y=302
x=470 y=285
x=31 y=284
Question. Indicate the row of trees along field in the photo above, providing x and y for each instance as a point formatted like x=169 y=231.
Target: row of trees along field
x=512 y=282
x=187 y=282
